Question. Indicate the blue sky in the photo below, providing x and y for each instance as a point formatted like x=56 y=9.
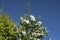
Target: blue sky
x=48 y=9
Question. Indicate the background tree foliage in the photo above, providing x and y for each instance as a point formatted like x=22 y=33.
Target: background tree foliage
x=8 y=29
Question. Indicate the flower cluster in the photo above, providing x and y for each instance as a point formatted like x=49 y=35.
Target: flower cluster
x=24 y=21
x=24 y=33
x=32 y=29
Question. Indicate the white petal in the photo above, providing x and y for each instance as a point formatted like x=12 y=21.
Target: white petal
x=24 y=33
x=30 y=37
x=32 y=18
x=20 y=39
x=38 y=39
x=39 y=22
x=38 y=34
x=26 y=21
x=34 y=33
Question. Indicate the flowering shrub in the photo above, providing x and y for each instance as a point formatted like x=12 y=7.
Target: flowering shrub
x=30 y=29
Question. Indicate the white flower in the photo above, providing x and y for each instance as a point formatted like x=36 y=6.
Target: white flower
x=20 y=39
x=38 y=39
x=24 y=33
x=30 y=37
x=32 y=18
x=26 y=21
x=34 y=33
x=37 y=34
x=39 y=22
x=21 y=18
